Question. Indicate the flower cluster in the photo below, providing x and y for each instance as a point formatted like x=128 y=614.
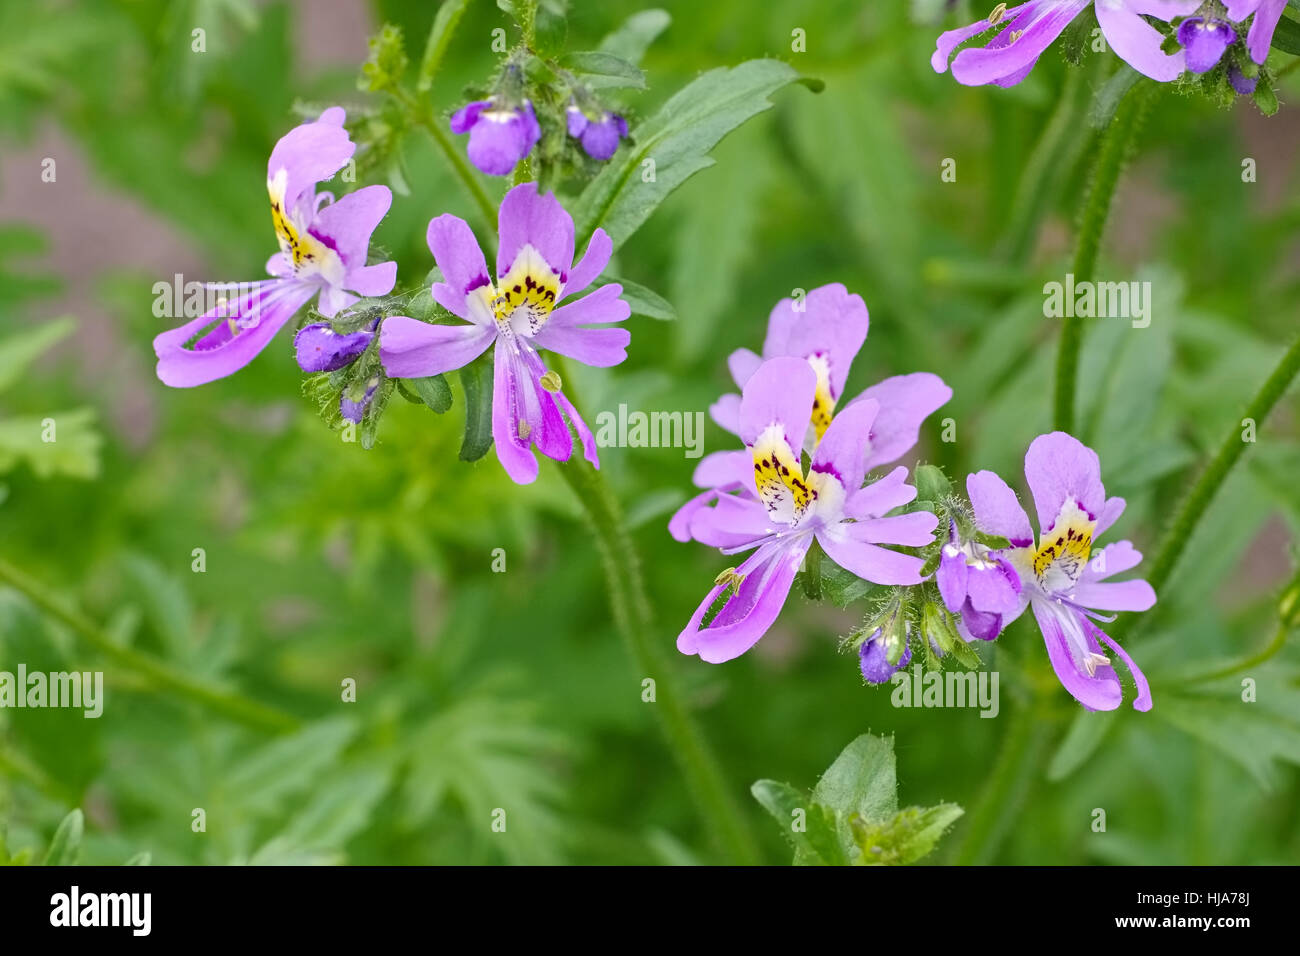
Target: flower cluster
x=801 y=482
x=324 y=246
x=503 y=128
x=1162 y=39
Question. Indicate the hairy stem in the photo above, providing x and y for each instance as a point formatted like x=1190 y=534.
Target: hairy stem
x=1198 y=499
x=422 y=115
x=221 y=701
x=1116 y=147
x=631 y=607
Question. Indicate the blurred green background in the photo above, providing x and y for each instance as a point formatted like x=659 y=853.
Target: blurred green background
x=479 y=690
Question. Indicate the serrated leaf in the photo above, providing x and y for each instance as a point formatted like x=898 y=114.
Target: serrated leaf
x=907 y=837
x=809 y=827
x=677 y=140
x=477 y=381
x=287 y=766
x=74 y=452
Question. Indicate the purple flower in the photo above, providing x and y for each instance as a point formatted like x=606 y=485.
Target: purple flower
x=873 y=658
x=599 y=137
x=320 y=349
x=535 y=271
x=1026 y=30
x=785 y=510
x=1205 y=42
x=353 y=407
x=1267 y=15
x=1061 y=579
x=1243 y=84
x=978 y=586
x=499 y=136
x=827 y=329
x=323 y=248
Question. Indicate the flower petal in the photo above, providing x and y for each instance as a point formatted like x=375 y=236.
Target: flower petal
x=1143 y=700
x=592 y=264
x=731 y=523
x=308 y=154
x=906 y=401
x=748 y=613
x=230 y=336
x=460 y=259
x=1066 y=639
x=1137 y=42
x=1019 y=45
x=842 y=450
x=881 y=496
x=868 y=561
x=1060 y=469
x=828 y=322
x=951 y=576
x=320 y=349
x=529 y=218
x=779 y=393
x=1135 y=595
x=725 y=413
x=742 y=364
x=349 y=222
x=997 y=509
x=410 y=348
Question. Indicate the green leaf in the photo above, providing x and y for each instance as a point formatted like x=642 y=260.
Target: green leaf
x=931 y=483
x=631 y=40
x=476 y=378
x=908 y=836
x=290 y=765
x=432 y=390
x=1108 y=98
x=1081 y=741
x=73 y=451
x=339 y=810
x=65 y=848
x=862 y=780
x=674 y=144
x=18 y=351
x=1287 y=36
x=642 y=300
x=444 y=25
x=1243 y=732
x=809 y=827
x=604 y=70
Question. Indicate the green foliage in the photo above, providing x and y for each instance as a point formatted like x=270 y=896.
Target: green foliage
x=479 y=689
x=852 y=816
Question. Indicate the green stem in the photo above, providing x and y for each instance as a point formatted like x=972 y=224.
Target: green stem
x=422 y=116
x=232 y=705
x=1275 y=645
x=1116 y=147
x=1207 y=485
x=1023 y=751
x=627 y=596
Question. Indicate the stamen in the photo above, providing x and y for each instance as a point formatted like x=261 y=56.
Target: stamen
x=551 y=381
x=731 y=579
x=998 y=13
x=1092 y=661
